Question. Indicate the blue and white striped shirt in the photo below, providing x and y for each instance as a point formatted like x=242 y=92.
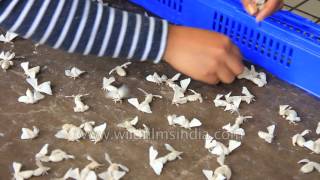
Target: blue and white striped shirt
x=86 y=27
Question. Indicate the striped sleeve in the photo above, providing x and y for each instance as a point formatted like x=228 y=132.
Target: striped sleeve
x=86 y=27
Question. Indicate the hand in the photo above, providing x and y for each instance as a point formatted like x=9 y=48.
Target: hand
x=203 y=55
x=269 y=8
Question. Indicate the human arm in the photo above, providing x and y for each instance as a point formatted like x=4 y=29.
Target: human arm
x=86 y=27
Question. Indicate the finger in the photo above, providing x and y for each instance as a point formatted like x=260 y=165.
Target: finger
x=270 y=7
x=249 y=6
x=235 y=62
x=213 y=79
x=280 y=6
x=225 y=75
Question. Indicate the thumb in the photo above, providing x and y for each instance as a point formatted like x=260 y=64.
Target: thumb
x=270 y=7
x=250 y=7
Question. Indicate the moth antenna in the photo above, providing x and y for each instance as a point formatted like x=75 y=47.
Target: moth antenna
x=90 y=158
x=107 y=158
x=111 y=71
x=20 y=57
x=125 y=65
x=193 y=91
x=158 y=96
x=143 y=91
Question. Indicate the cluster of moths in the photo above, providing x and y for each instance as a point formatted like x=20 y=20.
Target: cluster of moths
x=217 y=148
x=120 y=70
x=6 y=60
x=223 y=172
x=143 y=106
x=30 y=72
x=182 y=121
x=56 y=155
x=232 y=103
x=235 y=128
x=300 y=140
x=117 y=94
x=179 y=96
x=88 y=129
x=79 y=105
x=20 y=174
x=29 y=133
x=157 y=79
x=269 y=135
x=38 y=92
x=130 y=127
x=309 y=166
x=313 y=146
x=289 y=114
x=87 y=173
x=8 y=37
x=258 y=78
x=74 y=72
x=115 y=171
x=157 y=163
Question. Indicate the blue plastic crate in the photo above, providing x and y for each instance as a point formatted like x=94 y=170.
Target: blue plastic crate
x=285 y=44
